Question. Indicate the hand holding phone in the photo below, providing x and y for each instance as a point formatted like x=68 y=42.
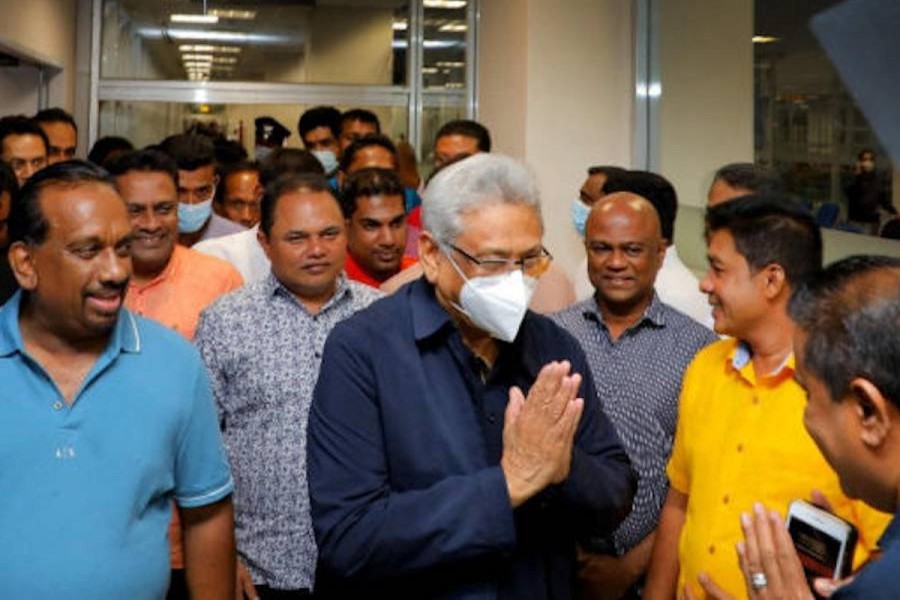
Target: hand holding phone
x=825 y=542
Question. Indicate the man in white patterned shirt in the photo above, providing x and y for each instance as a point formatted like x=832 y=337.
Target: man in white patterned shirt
x=638 y=348
x=263 y=347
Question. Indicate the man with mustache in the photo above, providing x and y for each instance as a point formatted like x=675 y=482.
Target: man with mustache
x=170 y=284
x=263 y=348
x=372 y=202
x=105 y=417
x=740 y=436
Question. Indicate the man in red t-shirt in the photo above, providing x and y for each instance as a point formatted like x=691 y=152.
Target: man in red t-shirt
x=373 y=204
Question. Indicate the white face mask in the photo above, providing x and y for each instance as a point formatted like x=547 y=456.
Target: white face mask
x=327 y=159
x=496 y=304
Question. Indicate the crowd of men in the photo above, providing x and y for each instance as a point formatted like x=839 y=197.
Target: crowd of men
x=315 y=374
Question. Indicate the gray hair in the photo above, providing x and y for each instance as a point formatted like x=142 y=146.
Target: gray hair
x=480 y=180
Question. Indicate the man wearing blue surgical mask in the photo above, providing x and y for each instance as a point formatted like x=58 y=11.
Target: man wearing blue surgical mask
x=456 y=447
x=320 y=129
x=197 y=180
x=591 y=191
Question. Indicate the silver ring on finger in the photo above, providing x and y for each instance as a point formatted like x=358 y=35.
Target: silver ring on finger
x=758 y=580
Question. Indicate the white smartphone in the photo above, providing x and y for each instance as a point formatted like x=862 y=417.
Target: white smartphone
x=824 y=542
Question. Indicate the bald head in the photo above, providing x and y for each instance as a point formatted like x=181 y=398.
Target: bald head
x=625 y=250
x=626 y=209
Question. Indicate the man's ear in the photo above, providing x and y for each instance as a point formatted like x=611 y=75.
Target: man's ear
x=21 y=261
x=263 y=240
x=775 y=280
x=429 y=256
x=874 y=412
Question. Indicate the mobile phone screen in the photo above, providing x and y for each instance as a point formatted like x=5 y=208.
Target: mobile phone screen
x=818 y=551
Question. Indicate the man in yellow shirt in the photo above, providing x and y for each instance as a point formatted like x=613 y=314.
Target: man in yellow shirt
x=740 y=437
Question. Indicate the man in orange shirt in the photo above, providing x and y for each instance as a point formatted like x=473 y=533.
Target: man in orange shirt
x=373 y=205
x=170 y=284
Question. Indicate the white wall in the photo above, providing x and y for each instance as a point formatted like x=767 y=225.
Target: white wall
x=47 y=28
x=706 y=106
x=555 y=88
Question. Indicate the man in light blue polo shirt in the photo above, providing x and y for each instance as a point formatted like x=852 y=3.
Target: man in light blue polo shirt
x=104 y=417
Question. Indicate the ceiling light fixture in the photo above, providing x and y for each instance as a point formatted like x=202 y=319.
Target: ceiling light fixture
x=208 y=48
x=445 y=3
x=400 y=25
x=454 y=26
x=764 y=39
x=197 y=19
x=237 y=15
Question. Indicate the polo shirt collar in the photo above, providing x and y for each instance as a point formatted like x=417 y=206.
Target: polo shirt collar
x=654 y=315
x=125 y=336
x=428 y=316
x=169 y=270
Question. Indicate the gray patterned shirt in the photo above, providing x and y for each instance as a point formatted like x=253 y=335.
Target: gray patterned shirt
x=263 y=351
x=638 y=379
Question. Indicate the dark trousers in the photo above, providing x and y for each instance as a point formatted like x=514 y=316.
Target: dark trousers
x=267 y=593
x=178 y=586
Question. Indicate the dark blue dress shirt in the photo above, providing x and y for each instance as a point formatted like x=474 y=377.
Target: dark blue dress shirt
x=879 y=580
x=405 y=439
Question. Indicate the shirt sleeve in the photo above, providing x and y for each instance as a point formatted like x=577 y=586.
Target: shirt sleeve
x=364 y=527
x=205 y=340
x=601 y=484
x=202 y=475
x=678 y=468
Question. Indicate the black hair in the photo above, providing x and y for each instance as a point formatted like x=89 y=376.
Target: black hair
x=26 y=220
x=850 y=312
x=105 y=146
x=320 y=116
x=283 y=161
x=55 y=115
x=468 y=128
x=22 y=125
x=8 y=182
x=655 y=188
x=758 y=179
x=363 y=116
x=607 y=170
x=891 y=229
x=771 y=229
x=310 y=182
x=370 y=182
x=372 y=139
x=228 y=151
x=145 y=161
x=229 y=170
x=189 y=150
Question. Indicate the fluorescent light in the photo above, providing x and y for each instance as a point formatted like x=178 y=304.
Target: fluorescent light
x=208 y=48
x=237 y=15
x=764 y=39
x=196 y=64
x=445 y=3
x=400 y=25
x=225 y=60
x=199 y=19
x=206 y=35
x=450 y=64
x=454 y=26
x=206 y=57
x=430 y=70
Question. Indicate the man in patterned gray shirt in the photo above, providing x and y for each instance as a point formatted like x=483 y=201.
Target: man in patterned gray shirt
x=263 y=347
x=637 y=348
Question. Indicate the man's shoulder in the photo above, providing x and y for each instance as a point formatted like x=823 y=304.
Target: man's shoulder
x=362 y=295
x=226 y=243
x=572 y=317
x=715 y=353
x=684 y=324
x=238 y=304
x=210 y=266
x=219 y=226
x=153 y=339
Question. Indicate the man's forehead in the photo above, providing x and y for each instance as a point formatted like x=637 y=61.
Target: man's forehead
x=91 y=204
x=29 y=142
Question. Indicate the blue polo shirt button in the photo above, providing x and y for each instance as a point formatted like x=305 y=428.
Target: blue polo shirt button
x=57 y=405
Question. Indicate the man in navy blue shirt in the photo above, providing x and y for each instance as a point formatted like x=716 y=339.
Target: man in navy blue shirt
x=847 y=346
x=456 y=444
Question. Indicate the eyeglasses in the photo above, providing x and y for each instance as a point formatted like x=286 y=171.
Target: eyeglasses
x=533 y=266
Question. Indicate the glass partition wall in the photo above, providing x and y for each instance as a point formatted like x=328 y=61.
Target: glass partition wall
x=161 y=66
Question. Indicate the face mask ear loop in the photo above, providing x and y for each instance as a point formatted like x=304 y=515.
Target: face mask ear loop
x=447 y=250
